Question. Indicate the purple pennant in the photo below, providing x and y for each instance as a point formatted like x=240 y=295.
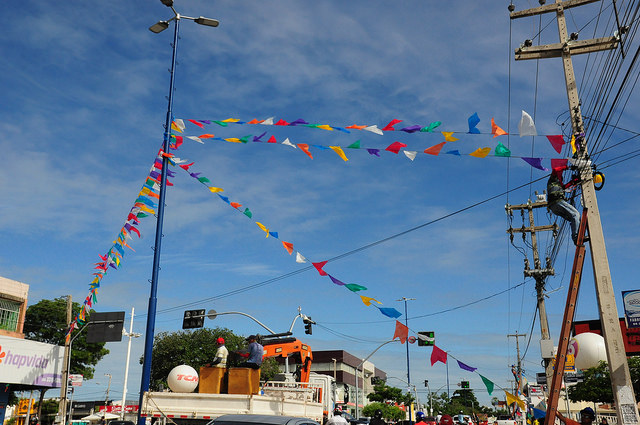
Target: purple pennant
x=154 y=174
x=205 y=121
x=171 y=173
x=299 y=121
x=411 y=129
x=375 y=152
x=466 y=367
x=535 y=163
x=336 y=281
x=257 y=138
x=195 y=175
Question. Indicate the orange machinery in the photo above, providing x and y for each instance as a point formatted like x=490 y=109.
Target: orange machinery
x=291 y=347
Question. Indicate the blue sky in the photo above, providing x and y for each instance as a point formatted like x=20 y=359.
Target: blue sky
x=83 y=109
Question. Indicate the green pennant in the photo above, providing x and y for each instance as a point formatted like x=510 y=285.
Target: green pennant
x=355 y=287
x=247 y=213
x=355 y=145
x=245 y=139
x=431 y=127
x=501 y=150
x=221 y=124
x=141 y=215
x=204 y=180
x=488 y=384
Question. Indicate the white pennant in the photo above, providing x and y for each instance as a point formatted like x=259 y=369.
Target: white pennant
x=180 y=124
x=195 y=139
x=526 y=127
x=268 y=121
x=374 y=129
x=300 y=258
x=410 y=154
x=288 y=143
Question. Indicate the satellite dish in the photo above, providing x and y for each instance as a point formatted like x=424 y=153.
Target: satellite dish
x=212 y=314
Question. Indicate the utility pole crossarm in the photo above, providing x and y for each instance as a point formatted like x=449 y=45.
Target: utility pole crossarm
x=535 y=228
x=576 y=47
x=548 y=8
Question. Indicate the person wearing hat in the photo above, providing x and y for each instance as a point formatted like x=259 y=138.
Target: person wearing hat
x=337 y=418
x=221 y=355
x=254 y=356
x=587 y=416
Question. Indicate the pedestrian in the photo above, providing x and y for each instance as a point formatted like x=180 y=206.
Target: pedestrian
x=221 y=355
x=377 y=418
x=254 y=356
x=587 y=415
x=604 y=421
x=337 y=418
x=558 y=205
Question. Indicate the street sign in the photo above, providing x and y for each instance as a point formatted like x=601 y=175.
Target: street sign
x=426 y=338
x=76 y=380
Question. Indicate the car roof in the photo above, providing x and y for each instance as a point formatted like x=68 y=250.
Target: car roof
x=261 y=419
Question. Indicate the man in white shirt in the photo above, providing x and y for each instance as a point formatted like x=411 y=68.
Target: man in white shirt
x=337 y=418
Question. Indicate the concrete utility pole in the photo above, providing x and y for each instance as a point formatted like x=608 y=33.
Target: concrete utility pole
x=516 y=336
x=569 y=45
x=538 y=273
x=62 y=406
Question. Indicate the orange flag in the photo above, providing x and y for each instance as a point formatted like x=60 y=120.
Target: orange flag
x=288 y=246
x=435 y=149
x=305 y=148
x=495 y=130
x=401 y=332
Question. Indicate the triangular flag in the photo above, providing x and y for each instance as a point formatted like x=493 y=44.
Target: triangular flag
x=401 y=332
x=453 y=152
x=389 y=127
x=272 y=139
x=340 y=152
x=487 y=383
x=389 y=312
x=557 y=142
x=535 y=163
x=395 y=147
x=466 y=367
x=356 y=126
x=411 y=129
x=305 y=149
x=268 y=121
x=448 y=136
x=559 y=163
x=473 y=121
x=216 y=189
x=480 y=152
x=431 y=127
x=319 y=267
x=374 y=129
x=435 y=149
x=368 y=300
x=573 y=144
x=282 y=122
x=438 y=355
x=501 y=150
x=324 y=127
x=526 y=127
x=336 y=281
x=195 y=139
x=288 y=143
x=410 y=154
x=375 y=152
x=354 y=145
x=206 y=136
x=513 y=399
x=196 y=123
x=263 y=227
x=495 y=130
x=354 y=287
x=247 y=213
x=288 y=246
x=300 y=258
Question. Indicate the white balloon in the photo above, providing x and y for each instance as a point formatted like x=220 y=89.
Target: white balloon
x=183 y=379
x=588 y=349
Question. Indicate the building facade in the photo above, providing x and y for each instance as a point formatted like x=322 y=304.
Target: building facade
x=13 y=307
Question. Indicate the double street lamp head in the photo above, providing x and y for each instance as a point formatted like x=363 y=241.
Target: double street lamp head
x=207 y=21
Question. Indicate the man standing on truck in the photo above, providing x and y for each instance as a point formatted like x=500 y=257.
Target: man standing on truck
x=254 y=356
x=221 y=355
x=587 y=415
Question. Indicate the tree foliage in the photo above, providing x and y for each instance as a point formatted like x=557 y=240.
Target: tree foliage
x=384 y=393
x=596 y=387
x=46 y=321
x=197 y=348
x=389 y=412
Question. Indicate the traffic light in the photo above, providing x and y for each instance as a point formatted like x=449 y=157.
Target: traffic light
x=464 y=384
x=426 y=382
x=307 y=325
x=426 y=339
x=193 y=319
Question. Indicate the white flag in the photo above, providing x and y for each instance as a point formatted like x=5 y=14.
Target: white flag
x=526 y=126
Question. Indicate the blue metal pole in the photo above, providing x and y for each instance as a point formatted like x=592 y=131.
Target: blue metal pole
x=406 y=322
x=151 y=315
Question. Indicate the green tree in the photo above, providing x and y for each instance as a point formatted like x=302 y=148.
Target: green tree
x=197 y=348
x=389 y=412
x=46 y=321
x=596 y=387
x=383 y=393
x=464 y=400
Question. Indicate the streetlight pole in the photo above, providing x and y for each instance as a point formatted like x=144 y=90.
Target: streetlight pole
x=406 y=322
x=151 y=315
x=129 y=334
x=362 y=374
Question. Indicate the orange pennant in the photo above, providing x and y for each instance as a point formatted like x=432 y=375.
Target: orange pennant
x=305 y=148
x=288 y=246
x=357 y=127
x=435 y=149
x=495 y=130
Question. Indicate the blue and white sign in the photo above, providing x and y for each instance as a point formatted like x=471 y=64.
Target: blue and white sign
x=631 y=300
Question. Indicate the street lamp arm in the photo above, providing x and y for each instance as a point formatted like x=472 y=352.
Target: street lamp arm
x=361 y=363
x=247 y=315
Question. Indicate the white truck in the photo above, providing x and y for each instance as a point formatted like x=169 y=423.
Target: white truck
x=284 y=398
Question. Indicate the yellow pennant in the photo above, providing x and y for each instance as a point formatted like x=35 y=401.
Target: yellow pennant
x=216 y=189
x=263 y=227
x=231 y=120
x=325 y=127
x=233 y=140
x=480 y=152
x=368 y=300
x=448 y=136
x=340 y=152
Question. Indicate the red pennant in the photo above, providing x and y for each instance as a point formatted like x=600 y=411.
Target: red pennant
x=199 y=124
x=437 y=355
x=282 y=122
x=395 y=147
x=557 y=142
x=389 y=127
x=401 y=332
x=186 y=166
x=319 y=267
x=272 y=139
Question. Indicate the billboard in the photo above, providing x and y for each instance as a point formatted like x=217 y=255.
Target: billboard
x=630 y=336
x=631 y=301
x=30 y=362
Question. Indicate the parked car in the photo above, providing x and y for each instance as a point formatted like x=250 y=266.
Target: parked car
x=354 y=421
x=261 y=419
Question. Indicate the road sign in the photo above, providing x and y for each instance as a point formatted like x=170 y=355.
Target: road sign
x=76 y=380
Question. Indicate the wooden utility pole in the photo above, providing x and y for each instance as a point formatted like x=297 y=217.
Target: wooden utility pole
x=62 y=406
x=569 y=45
x=538 y=273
